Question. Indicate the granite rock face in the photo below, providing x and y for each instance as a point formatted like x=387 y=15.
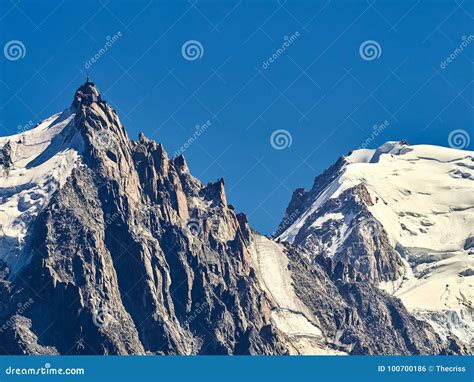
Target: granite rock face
x=390 y=271
x=133 y=255
x=358 y=245
x=359 y=318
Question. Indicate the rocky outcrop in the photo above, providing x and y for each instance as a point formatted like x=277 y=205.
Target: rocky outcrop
x=355 y=240
x=368 y=262
x=301 y=199
x=135 y=256
x=357 y=317
x=6 y=160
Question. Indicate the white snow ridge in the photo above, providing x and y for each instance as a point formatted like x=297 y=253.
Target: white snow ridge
x=424 y=198
x=41 y=160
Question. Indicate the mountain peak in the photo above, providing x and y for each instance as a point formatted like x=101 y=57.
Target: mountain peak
x=86 y=94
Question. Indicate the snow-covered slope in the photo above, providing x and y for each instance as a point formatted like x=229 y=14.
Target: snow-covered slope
x=95 y=214
x=423 y=194
x=290 y=315
x=40 y=161
x=423 y=198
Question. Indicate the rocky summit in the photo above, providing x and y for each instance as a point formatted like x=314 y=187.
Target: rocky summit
x=108 y=246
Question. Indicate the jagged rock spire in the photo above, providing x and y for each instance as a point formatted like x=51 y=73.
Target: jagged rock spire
x=86 y=94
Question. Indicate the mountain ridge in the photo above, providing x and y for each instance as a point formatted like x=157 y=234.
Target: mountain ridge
x=397 y=216
x=118 y=249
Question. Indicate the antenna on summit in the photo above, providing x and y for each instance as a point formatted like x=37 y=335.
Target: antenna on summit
x=88 y=79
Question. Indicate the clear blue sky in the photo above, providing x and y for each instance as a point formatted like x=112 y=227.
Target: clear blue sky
x=319 y=88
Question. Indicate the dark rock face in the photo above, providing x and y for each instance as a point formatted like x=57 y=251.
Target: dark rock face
x=359 y=318
x=135 y=256
x=365 y=252
x=6 y=160
x=301 y=199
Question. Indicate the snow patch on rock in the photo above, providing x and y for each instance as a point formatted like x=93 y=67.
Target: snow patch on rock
x=290 y=315
x=43 y=158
